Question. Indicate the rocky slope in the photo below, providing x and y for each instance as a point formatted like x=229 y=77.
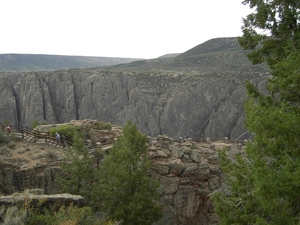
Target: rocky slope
x=173 y=104
x=197 y=94
x=188 y=172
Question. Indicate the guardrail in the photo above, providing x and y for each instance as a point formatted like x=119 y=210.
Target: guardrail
x=33 y=135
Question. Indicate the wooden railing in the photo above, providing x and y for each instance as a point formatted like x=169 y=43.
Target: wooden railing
x=33 y=135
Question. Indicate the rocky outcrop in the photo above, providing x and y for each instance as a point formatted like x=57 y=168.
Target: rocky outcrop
x=36 y=196
x=188 y=173
x=15 y=179
x=174 y=104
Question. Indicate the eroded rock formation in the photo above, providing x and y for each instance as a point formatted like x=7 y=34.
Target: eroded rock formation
x=187 y=170
x=37 y=195
x=174 y=104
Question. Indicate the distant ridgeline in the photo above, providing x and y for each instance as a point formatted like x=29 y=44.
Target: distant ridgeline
x=33 y=62
x=196 y=94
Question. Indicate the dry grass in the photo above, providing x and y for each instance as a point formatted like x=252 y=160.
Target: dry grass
x=27 y=154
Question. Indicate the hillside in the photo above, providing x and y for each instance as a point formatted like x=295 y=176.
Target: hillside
x=31 y=62
x=213 y=56
x=196 y=94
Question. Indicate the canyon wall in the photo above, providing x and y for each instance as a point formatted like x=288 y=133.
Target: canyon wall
x=172 y=104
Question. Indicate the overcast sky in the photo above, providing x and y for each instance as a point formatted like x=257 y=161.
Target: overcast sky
x=115 y=28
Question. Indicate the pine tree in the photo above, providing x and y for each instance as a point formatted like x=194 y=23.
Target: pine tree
x=263 y=186
x=129 y=192
x=79 y=176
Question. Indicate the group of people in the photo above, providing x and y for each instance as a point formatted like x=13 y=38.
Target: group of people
x=57 y=137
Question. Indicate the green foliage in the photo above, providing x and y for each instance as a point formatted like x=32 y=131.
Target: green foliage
x=4 y=139
x=35 y=123
x=85 y=129
x=80 y=177
x=278 y=19
x=13 y=215
x=102 y=126
x=129 y=193
x=263 y=186
x=234 y=202
x=31 y=213
x=122 y=186
x=68 y=130
x=65 y=215
x=51 y=155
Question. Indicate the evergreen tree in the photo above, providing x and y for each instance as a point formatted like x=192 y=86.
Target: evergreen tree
x=128 y=191
x=79 y=176
x=263 y=185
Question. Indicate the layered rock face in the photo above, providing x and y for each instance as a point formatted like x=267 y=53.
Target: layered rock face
x=188 y=173
x=174 y=104
x=14 y=179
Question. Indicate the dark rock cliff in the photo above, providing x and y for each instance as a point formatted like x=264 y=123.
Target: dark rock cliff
x=208 y=105
x=196 y=94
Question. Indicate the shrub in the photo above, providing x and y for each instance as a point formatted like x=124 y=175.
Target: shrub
x=102 y=126
x=5 y=139
x=35 y=123
x=68 y=130
x=99 y=152
x=13 y=216
x=85 y=129
x=11 y=145
x=66 y=216
x=3 y=150
x=51 y=156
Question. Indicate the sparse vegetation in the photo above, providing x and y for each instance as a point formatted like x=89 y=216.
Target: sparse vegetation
x=4 y=138
x=11 y=145
x=99 y=152
x=33 y=214
x=35 y=123
x=68 y=130
x=102 y=126
x=51 y=155
x=13 y=215
x=3 y=150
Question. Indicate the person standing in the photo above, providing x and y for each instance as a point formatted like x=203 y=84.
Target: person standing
x=57 y=137
x=8 y=129
x=64 y=140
